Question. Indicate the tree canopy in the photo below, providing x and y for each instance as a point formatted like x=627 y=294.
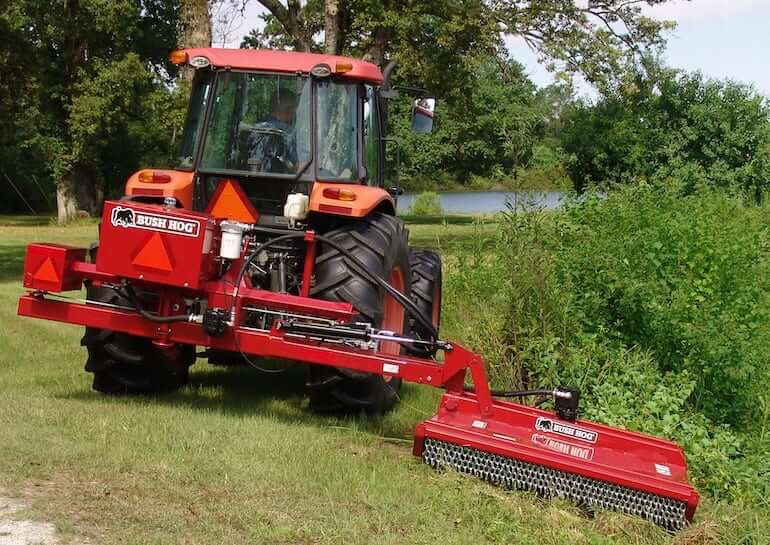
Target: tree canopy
x=88 y=94
x=487 y=128
x=686 y=130
x=85 y=104
x=601 y=39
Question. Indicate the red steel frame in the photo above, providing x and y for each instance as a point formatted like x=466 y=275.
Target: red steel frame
x=472 y=419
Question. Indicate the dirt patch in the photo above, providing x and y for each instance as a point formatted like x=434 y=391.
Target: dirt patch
x=14 y=530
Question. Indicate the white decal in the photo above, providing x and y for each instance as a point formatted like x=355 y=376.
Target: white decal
x=480 y=424
x=553 y=426
x=663 y=470
x=137 y=219
x=390 y=368
x=576 y=451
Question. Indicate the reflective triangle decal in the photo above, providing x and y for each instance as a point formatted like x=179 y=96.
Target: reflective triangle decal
x=46 y=272
x=154 y=255
x=230 y=202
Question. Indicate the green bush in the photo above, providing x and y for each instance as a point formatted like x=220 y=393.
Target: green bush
x=546 y=171
x=687 y=278
x=657 y=307
x=426 y=203
x=686 y=130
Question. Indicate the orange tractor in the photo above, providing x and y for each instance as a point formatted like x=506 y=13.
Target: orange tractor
x=276 y=236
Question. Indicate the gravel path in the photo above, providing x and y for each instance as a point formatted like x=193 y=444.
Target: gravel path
x=16 y=531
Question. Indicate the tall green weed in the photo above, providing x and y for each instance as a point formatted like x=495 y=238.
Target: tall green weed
x=654 y=305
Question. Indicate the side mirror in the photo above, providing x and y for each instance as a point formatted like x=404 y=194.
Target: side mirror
x=422 y=114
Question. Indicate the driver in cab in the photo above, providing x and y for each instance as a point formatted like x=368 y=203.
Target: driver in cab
x=272 y=141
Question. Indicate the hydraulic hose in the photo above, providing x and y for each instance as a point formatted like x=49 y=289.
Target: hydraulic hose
x=253 y=255
x=129 y=290
x=516 y=393
x=408 y=305
x=565 y=399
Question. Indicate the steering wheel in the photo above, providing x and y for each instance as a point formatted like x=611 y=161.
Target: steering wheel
x=268 y=147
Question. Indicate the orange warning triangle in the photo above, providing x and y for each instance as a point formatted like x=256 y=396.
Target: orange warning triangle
x=46 y=272
x=231 y=203
x=154 y=255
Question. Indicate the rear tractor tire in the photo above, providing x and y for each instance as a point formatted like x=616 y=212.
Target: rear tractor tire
x=126 y=364
x=380 y=242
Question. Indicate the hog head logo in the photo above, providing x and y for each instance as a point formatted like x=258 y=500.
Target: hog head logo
x=543 y=424
x=122 y=216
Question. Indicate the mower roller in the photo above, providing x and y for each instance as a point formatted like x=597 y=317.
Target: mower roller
x=275 y=236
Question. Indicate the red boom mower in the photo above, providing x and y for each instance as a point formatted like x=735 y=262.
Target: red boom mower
x=509 y=444
x=169 y=276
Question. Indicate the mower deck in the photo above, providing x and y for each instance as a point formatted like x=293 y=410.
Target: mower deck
x=524 y=448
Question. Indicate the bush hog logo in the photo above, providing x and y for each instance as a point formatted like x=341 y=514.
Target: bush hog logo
x=122 y=216
x=548 y=425
x=576 y=451
x=128 y=217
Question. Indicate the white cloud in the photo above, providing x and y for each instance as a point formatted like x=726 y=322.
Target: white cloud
x=683 y=11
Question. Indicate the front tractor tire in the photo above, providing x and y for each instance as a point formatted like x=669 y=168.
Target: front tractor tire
x=426 y=295
x=126 y=364
x=380 y=242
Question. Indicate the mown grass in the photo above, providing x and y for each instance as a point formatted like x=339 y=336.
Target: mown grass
x=236 y=457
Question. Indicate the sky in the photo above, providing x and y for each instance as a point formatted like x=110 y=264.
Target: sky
x=721 y=38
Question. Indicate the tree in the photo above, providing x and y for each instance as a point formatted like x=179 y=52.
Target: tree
x=194 y=28
x=685 y=130
x=487 y=128
x=290 y=26
x=22 y=154
x=601 y=39
x=428 y=38
x=86 y=66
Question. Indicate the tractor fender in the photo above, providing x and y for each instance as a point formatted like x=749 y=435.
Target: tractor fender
x=367 y=199
x=169 y=183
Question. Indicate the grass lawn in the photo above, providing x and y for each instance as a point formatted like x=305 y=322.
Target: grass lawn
x=236 y=457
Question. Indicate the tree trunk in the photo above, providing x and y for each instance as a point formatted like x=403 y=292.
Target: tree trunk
x=78 y=193
x=66 y=206
x=376 y=52
x=334 y=36
x=87 y=191
x=195 y=31
x=292 y=17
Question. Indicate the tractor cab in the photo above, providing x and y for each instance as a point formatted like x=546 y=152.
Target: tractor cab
x=272 y=124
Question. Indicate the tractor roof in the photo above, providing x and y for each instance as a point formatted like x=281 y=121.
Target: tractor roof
x=286 y=61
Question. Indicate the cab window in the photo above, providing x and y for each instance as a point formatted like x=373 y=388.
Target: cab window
x=337 y=131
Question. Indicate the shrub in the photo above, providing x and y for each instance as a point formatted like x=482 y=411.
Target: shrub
x=656 y=306
x=686 y=278
x=426 y=203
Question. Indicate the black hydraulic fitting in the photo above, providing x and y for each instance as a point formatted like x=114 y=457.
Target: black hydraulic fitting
x=566 y=401
x=215 y=321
